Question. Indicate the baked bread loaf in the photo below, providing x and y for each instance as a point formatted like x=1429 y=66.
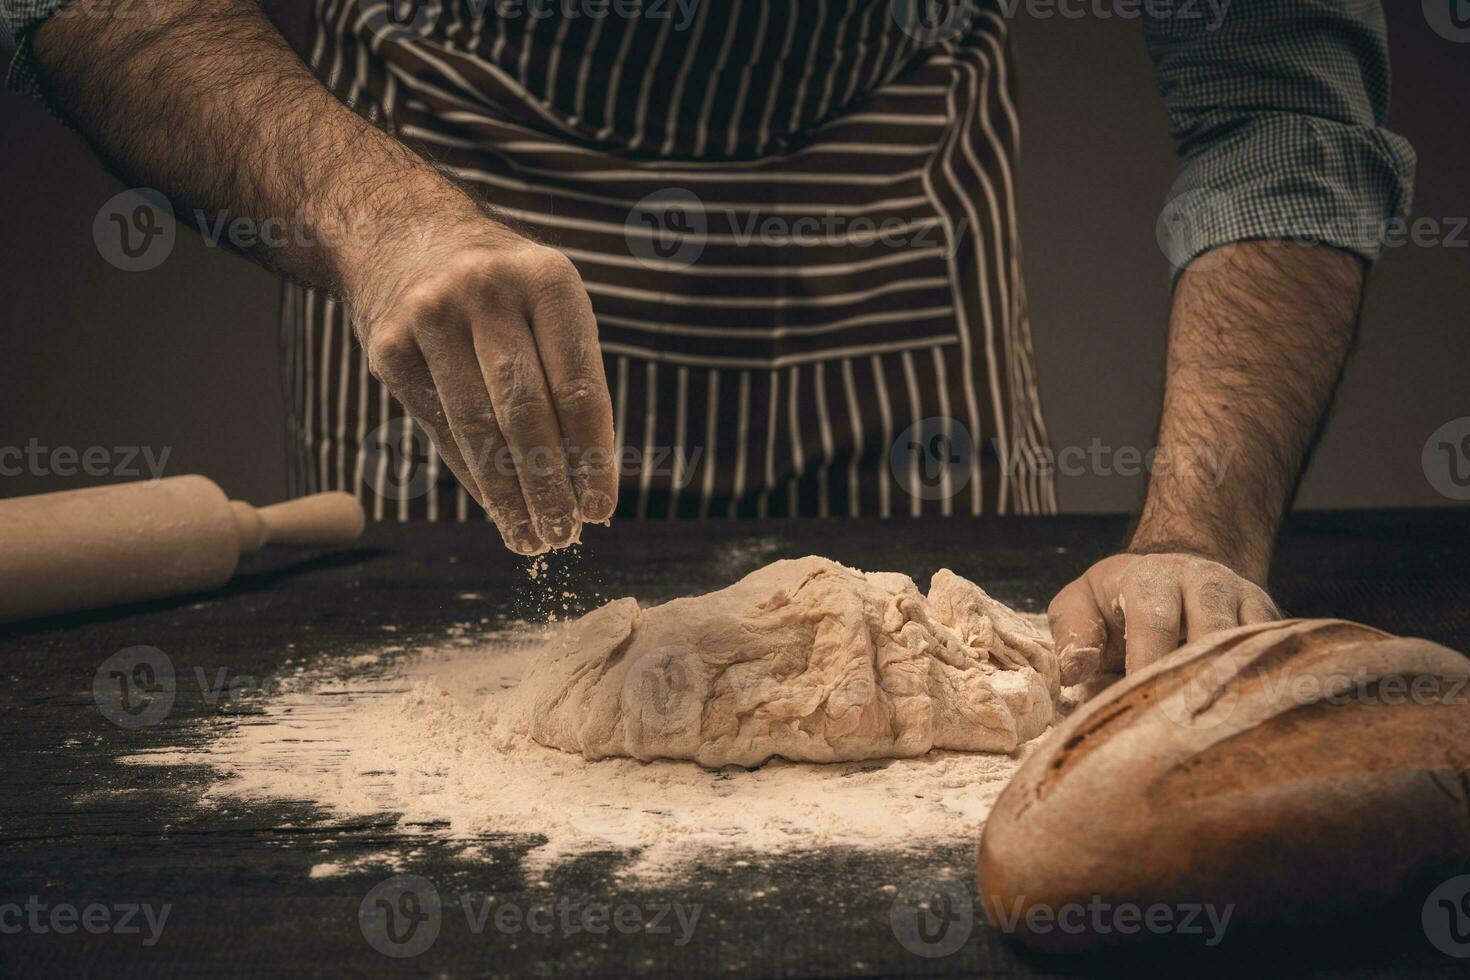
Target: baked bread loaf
x=1293 y=770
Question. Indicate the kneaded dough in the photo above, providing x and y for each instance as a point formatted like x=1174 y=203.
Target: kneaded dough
x=803 y=659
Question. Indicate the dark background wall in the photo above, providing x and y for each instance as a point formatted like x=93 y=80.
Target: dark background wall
x=185 y=357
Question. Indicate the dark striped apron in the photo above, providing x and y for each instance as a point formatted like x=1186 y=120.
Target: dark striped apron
x=796 y=222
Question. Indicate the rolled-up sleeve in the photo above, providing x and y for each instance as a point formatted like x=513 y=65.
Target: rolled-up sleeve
x=1277 y=109
x=17 y=19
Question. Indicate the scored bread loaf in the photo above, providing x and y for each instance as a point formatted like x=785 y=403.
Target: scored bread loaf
x=1292 y=770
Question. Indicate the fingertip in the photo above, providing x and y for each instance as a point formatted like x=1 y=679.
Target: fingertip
x=597 y=507
x=521 y=539
x=1078 y=664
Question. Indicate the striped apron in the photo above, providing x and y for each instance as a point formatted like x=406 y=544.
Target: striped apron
x=796 y=222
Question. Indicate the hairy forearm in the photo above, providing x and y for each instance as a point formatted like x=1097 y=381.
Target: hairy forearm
x=1257 y=342
x=204 y=101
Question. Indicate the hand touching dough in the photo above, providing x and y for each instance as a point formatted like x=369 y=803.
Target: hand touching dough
x=804 y=659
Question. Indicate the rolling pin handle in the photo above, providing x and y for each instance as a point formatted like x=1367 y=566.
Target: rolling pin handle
x=323 y=518
x=249 y=526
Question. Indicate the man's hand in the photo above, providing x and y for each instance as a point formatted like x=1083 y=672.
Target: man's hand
x=1257 y=342
x=490 y=342
x=1129 y=610
x=486 y=338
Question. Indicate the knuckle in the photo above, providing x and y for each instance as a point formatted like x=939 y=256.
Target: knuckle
x=581 y=397
x=481 y=442
x=1156 y=625
x=432 y=304
x=1216 y=595
x=523 y=273
x=519 y=412
x=546 y=268
x=392 y=353
x=509 y=373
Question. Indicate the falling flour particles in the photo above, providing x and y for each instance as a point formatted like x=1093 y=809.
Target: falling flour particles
x=409 y=732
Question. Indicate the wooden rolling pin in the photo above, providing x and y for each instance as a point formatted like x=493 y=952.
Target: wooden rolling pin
x=84 y=549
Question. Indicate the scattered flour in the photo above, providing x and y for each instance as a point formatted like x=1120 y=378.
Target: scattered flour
x=408 y=735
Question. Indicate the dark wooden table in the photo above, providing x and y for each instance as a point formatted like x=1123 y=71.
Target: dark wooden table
x=79 y=829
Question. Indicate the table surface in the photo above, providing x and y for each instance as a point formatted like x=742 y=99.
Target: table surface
x=77 y=827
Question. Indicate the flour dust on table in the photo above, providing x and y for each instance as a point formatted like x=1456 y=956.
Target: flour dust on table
x=913 y=711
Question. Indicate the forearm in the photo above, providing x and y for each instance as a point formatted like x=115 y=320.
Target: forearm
x=205 y=101
x=1257 y=343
